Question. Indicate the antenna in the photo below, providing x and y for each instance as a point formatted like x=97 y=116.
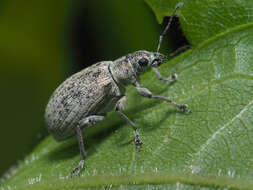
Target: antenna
x=168 y=25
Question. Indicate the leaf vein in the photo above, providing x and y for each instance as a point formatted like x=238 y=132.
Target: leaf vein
x=219 y=131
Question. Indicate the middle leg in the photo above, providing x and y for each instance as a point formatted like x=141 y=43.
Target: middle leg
x=119 y=106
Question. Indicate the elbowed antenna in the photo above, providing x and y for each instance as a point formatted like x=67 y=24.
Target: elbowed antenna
x=168 y=25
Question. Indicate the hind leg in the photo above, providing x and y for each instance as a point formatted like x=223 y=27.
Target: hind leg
x=86 y=122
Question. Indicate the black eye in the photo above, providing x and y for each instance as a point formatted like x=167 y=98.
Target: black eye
x=143 y=62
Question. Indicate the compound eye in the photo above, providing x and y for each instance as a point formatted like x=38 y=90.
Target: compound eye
x=143 y=62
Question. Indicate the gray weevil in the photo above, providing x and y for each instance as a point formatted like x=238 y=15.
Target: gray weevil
x=84 y=98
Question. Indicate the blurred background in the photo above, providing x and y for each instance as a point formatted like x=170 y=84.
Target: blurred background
x=42 y=42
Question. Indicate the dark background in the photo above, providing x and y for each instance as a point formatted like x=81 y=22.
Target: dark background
x=44 y=41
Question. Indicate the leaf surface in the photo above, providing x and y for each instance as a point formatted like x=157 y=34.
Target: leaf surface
x=207 y=149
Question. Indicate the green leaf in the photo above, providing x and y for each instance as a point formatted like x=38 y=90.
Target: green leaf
x=162 y=8
x=207 y=149
x=202 y=19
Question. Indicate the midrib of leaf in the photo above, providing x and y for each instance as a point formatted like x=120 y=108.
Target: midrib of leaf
x=142 y=179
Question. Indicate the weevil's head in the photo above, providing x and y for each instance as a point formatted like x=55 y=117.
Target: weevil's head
x=141 y=60
x=125 y=69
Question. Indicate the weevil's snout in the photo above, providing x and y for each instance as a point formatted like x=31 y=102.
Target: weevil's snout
x=158 y=59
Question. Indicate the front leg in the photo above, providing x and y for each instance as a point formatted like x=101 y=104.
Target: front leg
x=147 y=94
x=172 y=77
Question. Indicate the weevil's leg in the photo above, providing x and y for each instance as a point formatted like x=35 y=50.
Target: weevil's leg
x=119 y=106
x=172 y=77
x=86 y=122
x=79 y=135
x=147 y=94
x=180 y=50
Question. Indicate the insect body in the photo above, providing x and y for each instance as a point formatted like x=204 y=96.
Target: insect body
x=84 y=99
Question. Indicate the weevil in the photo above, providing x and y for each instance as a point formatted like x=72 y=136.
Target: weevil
x=84 y=98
